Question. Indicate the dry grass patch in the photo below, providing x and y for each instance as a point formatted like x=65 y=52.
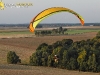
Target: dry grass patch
x=34 y=70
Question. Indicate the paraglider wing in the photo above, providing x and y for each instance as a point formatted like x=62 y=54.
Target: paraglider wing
x=47 y=12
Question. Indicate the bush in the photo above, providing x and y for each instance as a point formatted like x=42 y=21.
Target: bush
x=98 y=68
x=12 y=58
x=98 y=35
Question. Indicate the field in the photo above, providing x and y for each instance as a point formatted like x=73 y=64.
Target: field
x=25 y=43
x=79 y=31
x=26 y=46
x=34 y=70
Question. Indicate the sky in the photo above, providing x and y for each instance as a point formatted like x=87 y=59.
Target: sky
x=88 y=9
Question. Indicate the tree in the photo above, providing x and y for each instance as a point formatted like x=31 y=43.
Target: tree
x=64 y=30
x=33 y=59
x=82 y=55
x=54 y=31
x=98 y=68
x=44 y=58
x=60 y=30
x=81 y=58
x=12 y=58
x=39 y=57
x=65 y=60
x=37 y=33
x=41 y=46
x=94 y=63
x=50 y=63
x=73 y=63
x=57 y=44
x=67 y=43
x=98 y=35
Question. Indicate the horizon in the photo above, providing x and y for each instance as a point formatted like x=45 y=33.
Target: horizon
x=51 y=23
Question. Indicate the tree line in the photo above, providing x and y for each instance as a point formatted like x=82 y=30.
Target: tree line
x=81 y=55
x=59 y=30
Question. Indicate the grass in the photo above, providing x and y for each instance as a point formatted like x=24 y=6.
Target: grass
x=78 y=31
x=14 y=32
x=35 y=70
x=24 y=32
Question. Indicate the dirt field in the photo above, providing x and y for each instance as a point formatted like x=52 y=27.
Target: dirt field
x=24 y=47
x=34 y=70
